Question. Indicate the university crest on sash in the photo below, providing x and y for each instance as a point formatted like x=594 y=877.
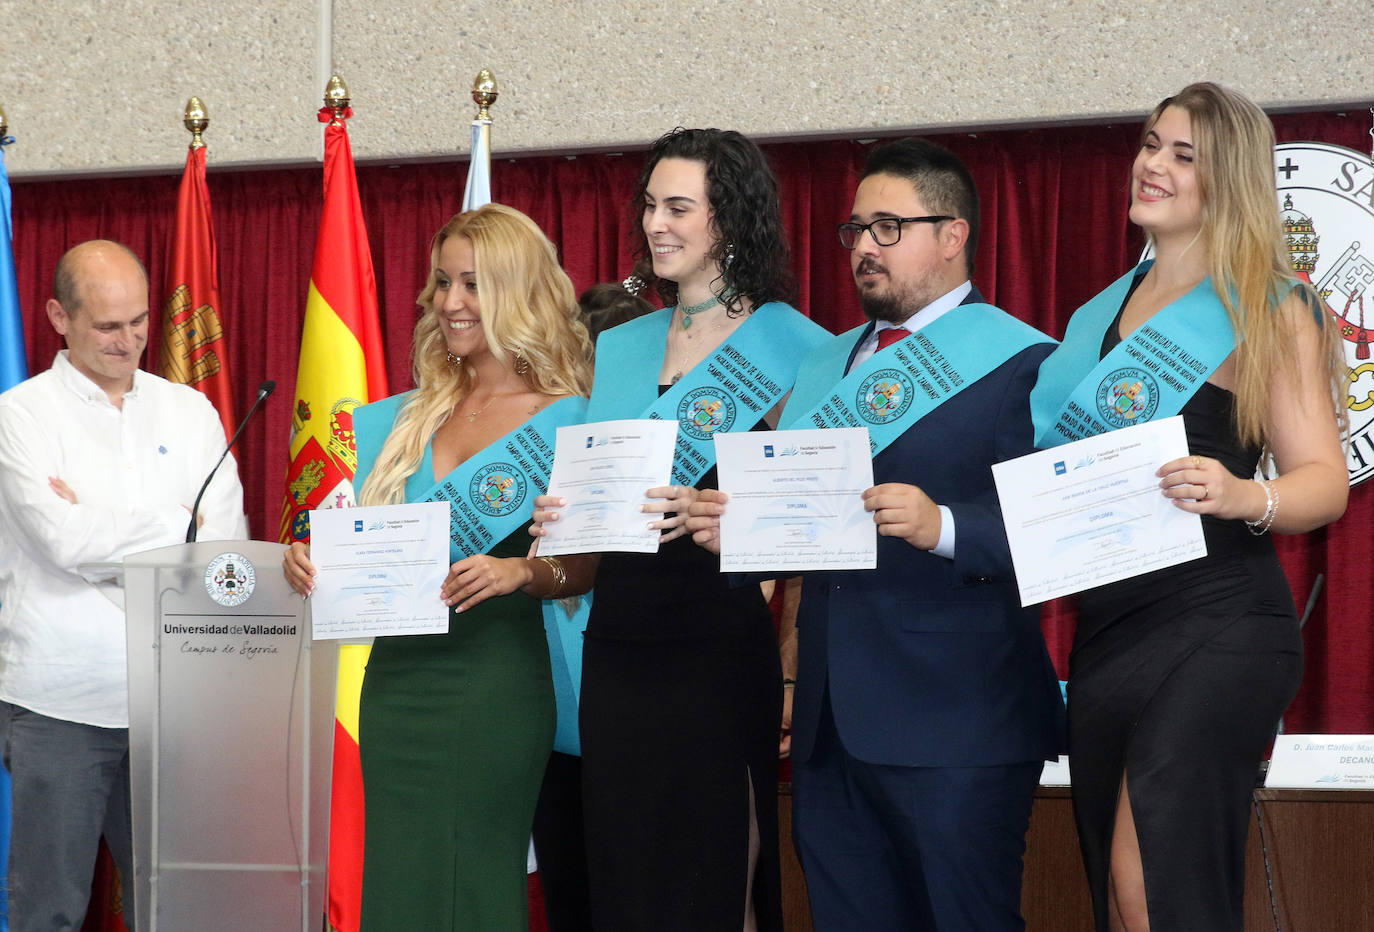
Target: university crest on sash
x=704 y=411
x=884 y=396
x=1127 y=396
x=497 y=489
x=1326 y=195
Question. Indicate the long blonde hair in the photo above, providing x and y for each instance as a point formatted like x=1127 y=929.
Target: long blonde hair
x=530 y=320
x=1233 y=144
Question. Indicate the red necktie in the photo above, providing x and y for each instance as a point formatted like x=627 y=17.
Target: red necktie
x=891 y=335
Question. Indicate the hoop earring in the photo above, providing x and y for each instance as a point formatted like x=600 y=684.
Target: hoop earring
x=454 y=360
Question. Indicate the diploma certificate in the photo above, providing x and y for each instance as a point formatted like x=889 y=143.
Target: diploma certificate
x=796 y=501
x=603 y=470
x=1091 y=512
x=379 y=570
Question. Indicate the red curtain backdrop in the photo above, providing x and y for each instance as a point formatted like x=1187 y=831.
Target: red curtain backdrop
x=1054 y=232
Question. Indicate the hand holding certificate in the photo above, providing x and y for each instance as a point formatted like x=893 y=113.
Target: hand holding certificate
x=602 y=471
x=379 y=570
x=1091 y=512
x=796 y=501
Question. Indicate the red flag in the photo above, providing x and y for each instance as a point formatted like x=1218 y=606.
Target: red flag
x=341 y=367
x=193 y=344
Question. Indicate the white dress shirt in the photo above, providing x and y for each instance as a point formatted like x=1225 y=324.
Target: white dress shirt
x=135 y=472
x=922 y=318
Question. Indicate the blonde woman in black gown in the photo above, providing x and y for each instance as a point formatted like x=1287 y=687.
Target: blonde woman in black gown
x=1178 y=678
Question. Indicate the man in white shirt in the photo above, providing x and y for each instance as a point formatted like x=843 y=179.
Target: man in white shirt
x=98 y=459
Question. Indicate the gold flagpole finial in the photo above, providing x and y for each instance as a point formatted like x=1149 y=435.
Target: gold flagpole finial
x=336 y=99
x=484 y=93
x=195 y=119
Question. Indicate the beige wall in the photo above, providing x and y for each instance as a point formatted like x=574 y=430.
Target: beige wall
x=97 y=86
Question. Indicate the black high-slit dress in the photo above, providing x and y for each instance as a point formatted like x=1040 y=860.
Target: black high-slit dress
x=1178 y=678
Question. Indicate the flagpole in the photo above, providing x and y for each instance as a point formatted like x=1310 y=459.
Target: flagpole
x=196 y=118
x=478 y=189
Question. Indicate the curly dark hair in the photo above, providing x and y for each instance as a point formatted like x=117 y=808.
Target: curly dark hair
x=747 y=219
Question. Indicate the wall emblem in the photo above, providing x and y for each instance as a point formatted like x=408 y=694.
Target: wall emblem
x=1326 y=195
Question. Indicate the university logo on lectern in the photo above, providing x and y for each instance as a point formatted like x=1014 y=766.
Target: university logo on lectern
x=230 y=579
x=1326 y=194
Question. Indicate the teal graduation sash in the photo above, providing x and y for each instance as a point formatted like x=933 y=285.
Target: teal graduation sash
x=564 y=631
x=730 y=390
x=490 y=494
x=906 y=381
x=1150 y=374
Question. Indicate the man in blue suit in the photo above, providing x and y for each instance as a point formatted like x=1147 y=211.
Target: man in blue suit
x=925 y=699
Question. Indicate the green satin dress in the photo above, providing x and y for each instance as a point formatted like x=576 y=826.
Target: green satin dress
x=455 y=730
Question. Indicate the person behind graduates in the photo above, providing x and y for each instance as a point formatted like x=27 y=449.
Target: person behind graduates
x=1178 y=677
x=455 y=729
x=559 y=839
x=925 y=702
x=98 y=460
x=681 y=685
x=608 y=305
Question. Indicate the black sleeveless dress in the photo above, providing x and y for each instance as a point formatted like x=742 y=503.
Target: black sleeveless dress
x=1178 y=679
x=680 y=708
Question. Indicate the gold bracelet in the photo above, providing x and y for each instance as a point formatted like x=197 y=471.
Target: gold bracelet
x=560 y=576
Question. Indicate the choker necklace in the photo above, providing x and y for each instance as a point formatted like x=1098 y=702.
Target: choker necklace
x=689 y=310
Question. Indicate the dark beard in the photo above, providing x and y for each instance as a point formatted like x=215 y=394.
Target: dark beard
x=883 y=307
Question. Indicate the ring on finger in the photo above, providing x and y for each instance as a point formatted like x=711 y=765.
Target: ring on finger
x=1204 y=494
x=1197 y=462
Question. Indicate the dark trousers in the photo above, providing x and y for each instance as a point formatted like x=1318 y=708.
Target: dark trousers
x=910 y=848
x=70 y=787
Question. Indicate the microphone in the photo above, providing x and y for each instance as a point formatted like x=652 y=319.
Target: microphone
x=265 y=389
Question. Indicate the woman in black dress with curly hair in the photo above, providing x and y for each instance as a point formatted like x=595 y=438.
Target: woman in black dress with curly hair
x=681 y=687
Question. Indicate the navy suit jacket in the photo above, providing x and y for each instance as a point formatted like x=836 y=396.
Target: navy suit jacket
x=932 y=662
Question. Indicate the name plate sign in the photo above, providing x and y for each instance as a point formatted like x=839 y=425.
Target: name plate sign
x=1322 y=762
x=1056 y=772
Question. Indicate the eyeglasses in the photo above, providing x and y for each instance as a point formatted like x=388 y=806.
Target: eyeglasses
x=886 y=231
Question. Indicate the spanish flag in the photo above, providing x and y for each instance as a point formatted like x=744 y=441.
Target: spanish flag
x=193 y=345
x=341 y=367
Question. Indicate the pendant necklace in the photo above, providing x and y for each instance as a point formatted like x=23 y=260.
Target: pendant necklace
x=682 y=356
x=472 y=416
x=690 y=310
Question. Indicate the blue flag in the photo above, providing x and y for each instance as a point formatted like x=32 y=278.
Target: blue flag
x=13 y=370
x=478 y=191
x=13 y=365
